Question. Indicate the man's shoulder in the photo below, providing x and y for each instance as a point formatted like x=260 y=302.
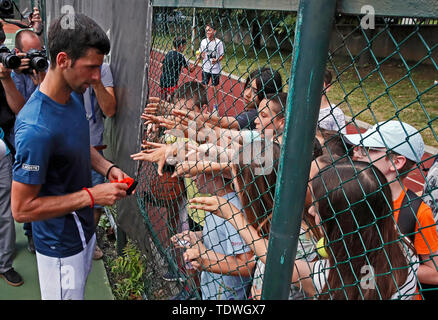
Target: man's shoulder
x=33 y=118
x=31 y=109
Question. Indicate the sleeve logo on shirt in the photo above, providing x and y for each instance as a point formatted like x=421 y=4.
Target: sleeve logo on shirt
x=30 y=167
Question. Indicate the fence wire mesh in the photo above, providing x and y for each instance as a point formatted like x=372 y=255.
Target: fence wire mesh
x=218 y=83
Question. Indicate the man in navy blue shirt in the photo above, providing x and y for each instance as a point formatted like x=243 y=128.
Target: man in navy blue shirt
x=52 y=172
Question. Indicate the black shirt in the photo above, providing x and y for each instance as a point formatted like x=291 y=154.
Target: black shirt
x=173 y=62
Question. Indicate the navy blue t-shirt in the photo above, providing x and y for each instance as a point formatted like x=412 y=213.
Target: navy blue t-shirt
x=53 y=150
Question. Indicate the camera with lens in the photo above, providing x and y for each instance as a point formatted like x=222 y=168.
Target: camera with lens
x=8 y=59
x=38 y=61
x=6 y=9
x=212 y=55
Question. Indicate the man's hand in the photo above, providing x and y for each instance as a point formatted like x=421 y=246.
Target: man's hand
x=106 y=194
x=192 y=254
x=37 y=77
x=216 y=205
x=185 y=239
x=35 y=20
x=153 y=106
x=117 y=174
x=25 y=63
x=157 y=106
x=5 y=73
x=153 y=152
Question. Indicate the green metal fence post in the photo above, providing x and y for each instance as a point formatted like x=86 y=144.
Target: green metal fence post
x=312 y=36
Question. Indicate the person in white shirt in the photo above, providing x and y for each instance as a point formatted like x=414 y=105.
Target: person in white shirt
x=211 y=51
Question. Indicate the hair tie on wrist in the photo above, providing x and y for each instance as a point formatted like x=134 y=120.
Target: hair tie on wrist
x=109 y=169
x=91 y=196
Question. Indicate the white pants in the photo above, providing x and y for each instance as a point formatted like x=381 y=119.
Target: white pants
x=65 y=278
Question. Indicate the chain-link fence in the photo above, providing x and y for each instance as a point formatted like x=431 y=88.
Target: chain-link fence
x=221 y=143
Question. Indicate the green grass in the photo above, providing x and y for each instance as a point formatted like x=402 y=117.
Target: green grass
x=374 y=94
x=369 y=94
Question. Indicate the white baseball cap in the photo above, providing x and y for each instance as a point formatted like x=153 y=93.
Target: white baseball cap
x=394 y=135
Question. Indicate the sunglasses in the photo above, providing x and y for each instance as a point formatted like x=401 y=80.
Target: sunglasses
x=364 y=151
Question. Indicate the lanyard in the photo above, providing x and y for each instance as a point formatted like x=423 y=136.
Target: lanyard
x=92 y=96
x=93 y=113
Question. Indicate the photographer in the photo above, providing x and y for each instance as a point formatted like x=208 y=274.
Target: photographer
x=27 y=78
x=10 y=100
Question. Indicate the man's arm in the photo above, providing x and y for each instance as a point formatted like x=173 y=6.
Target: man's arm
x=37 y=23
x=428 y=270
x=106 y=98
x=101 y=165
x=27 y=206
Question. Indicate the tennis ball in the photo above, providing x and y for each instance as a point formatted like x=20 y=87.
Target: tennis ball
x=320 y=247
x=198 y=52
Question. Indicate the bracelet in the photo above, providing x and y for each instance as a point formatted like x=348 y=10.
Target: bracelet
x=91 y=196
x=109 y=169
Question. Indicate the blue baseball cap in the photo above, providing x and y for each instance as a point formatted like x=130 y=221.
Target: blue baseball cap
x=394 y=135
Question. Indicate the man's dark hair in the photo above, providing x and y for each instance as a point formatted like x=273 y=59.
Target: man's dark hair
x=267 y=81
x=179 y=41
x=86 y=34
x=19 y=36
x=211 y=25
x=193 y=90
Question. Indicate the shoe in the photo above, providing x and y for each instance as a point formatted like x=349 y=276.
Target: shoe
x=172 y=276
x=98 y=254
x=184 y=295
x=30 y=244
x=12 y=278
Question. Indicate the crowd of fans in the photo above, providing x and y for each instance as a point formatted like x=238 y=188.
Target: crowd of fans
x=359 y=216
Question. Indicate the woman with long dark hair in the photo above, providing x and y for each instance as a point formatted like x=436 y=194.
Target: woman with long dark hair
x=353 y=205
